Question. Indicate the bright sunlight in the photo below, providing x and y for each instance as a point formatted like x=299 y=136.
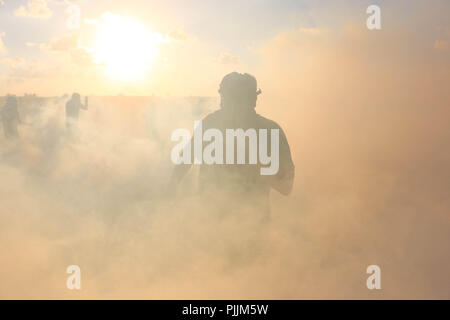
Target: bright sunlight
x=125 y=48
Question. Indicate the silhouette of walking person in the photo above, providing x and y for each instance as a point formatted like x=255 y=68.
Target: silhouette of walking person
x=73 y=107
x=236 y=187
x=10 y=118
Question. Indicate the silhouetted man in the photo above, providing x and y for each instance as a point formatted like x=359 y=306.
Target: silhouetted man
x=231 y=187
x=10 y=117
x=73 y=107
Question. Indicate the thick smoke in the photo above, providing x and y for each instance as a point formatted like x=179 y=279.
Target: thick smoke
x=367 y=125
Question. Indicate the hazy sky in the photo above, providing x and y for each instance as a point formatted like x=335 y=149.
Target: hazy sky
x=177 y=47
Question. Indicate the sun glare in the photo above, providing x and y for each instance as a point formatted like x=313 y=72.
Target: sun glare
x=124 y=47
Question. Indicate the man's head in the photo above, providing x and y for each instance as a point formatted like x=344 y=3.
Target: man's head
x=238 y=90
x=76 y=96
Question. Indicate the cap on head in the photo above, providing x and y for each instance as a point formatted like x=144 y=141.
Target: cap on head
x=239 y=84
x=76 y=95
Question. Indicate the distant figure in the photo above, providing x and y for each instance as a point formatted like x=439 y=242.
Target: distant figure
x=237 y=187
x=73 y=107
x=10 y=117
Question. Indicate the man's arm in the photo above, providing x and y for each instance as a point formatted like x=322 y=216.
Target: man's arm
x=85 y=105
x=284 y=184
x=283 y=181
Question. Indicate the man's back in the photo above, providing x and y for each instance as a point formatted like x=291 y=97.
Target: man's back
x=73 y=108
x=241 y=185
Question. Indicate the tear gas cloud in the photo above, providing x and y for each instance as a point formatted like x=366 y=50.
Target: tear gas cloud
x=366 y=117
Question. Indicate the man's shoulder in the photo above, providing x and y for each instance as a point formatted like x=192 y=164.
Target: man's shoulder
x=261 y=122
x=212 y=118
x=213 y=115
x=267 y=123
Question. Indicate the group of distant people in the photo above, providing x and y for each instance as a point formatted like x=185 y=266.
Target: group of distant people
x=10 y=118
x=220 y=183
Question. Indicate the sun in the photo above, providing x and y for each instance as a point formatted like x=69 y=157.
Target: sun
x=125 y=48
